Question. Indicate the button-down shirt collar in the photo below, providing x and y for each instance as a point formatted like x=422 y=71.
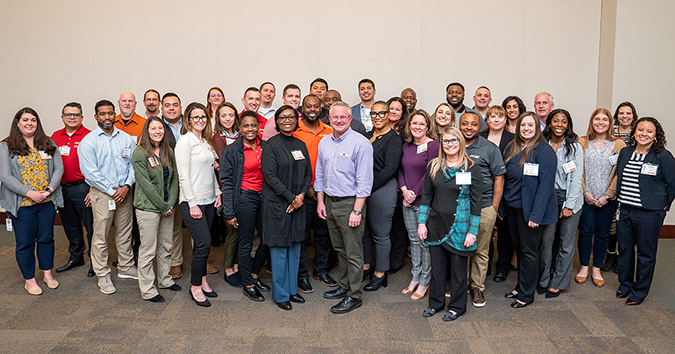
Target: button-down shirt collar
x=102 y=162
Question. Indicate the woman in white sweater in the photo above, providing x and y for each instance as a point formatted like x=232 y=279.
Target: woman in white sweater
x=199 y=193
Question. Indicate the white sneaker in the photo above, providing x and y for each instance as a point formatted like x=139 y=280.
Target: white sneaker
x=131 y=273
x=106 y=285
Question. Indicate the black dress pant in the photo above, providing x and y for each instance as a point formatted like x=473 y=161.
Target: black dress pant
x=442 y=263
x=398 y=236
x=322 y=245
x=529 y=240
x=504 y=246
x=74 y=214
x=200 y=230
x=249 y=217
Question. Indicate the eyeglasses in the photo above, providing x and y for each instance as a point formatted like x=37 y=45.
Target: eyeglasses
x=72 y=115
x=283 y=118
x=199 y=118
x=454 y=141
x=381 y=114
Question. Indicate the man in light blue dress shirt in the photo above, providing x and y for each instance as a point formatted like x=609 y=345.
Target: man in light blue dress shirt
x=105 y=162
x=362 y=110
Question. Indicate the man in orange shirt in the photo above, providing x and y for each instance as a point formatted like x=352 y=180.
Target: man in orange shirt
x=128 y=121
x=311 y=130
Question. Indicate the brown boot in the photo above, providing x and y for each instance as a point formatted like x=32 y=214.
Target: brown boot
x=176 y=272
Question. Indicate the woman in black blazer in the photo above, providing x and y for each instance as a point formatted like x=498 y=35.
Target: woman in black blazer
x=642 y=206
x=287 y=175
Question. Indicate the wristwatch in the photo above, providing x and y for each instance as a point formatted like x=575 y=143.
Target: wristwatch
x=357 y=212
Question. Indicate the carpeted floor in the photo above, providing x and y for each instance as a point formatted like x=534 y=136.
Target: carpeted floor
x=77 y=317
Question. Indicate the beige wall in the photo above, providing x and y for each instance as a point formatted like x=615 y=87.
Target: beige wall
x=84 y=50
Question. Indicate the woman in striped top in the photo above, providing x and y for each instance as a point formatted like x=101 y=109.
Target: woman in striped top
x=601 y=150
x=644 y=169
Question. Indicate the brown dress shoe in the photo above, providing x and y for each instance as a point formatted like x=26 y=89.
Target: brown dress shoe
x=176 y=272
x=580 y=279
x=211 y=269
x=599 y=282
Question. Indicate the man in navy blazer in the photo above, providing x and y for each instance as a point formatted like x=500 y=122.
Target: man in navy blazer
x=362 y=110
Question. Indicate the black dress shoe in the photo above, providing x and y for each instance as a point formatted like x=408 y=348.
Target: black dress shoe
x=338 y=293
x=325 y=279
x=204 y=303
x=393 y=270
x=630 y=302
x=517 y=304
x=253 y=294
x=209 y=293
x=620 y=295
x=305 y=286
x=261 y=286
x=285 y=305
x=367 y=273
x=511 y=294
x=375 y=283
x=234 y=279
x=157 y=298
x=499 y=277
x=70 y=265
x=91 y=272
x=550 y=294
x=346 y=305
x=297 y=299
x=174 y=287
x=541 y=290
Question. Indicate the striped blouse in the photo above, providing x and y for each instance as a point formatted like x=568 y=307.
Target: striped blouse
x=630 y=189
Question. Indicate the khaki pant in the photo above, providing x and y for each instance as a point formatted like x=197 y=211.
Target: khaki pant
x=103 y=218
x=478 y=263
x=156 y=238
x=177 y=246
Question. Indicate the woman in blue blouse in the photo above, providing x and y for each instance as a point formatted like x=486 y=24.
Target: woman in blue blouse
x=530 y=201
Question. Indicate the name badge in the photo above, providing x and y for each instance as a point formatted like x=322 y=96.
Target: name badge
x=613 y=159
x=463 y=178
x=297 y=155
x=531 y=169
x=649 y=169
x=8 y=222
x=422 y=148
x=153 y=161
x=126 y=152
x=44 y=155
x=569 y=167
x=112 y=205
x=64 y=150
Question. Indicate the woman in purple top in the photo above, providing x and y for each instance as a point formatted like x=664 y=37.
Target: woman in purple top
x=419 y=149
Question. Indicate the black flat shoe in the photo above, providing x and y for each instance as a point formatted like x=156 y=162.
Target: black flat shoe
x=367 y=273
x=326 y=280
x=305 y=286
x=517 y=304
x=297 y=299
x=346 y=305
x=209 y=293
x=550 y=294
x=428 y=312
x=261 y=286
x=338 y=293
x=156 y=298
x=91 y=272
x=375 y=283
x=620 y=295
x=70 y=265
x=204 y=303
x=511 y=294
x=253 y=294
x=234 y=279
x=449 y=316
x=285 y=305
x=499 y=277
x=541 y=290
x=174 y=287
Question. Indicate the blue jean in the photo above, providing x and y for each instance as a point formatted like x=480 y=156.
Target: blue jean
x=594 y=221
x=285 y=262
x=34 y=225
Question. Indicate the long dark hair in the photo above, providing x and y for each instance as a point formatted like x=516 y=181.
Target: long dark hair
x=219 y=129
x=660 y=142
x=149 y=145
x=516 y=145
x=401 y=123
x=519 y=102
x=632 y=108
x=570 y=136
x=16 y=144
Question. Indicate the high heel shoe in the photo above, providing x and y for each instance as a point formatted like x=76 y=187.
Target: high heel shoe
x=407 y=290
x=367 y=273
x=204 y=303
x=415 y=296
x=376 y=283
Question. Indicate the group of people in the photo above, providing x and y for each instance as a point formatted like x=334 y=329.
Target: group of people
x=361 y=182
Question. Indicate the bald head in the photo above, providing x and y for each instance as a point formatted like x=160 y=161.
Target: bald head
x=127 y=104
x=410 y=97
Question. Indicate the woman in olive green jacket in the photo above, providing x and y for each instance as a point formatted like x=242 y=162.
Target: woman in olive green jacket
x=155 y=195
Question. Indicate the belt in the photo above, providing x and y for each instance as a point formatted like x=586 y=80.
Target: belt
x=248 y=191
x=339 y=199
x=71 y=184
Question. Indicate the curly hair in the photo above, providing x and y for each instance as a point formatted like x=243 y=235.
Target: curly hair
x=659 y=143
x=570 y=136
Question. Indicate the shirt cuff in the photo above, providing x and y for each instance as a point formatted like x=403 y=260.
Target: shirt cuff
x=423 y=214
x=474 y=222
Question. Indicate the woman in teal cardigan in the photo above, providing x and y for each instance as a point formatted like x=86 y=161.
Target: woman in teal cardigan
x=155 y=195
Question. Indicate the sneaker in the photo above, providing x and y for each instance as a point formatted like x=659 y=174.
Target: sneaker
x=478 y=299
x=106 y=285
x=131 y=273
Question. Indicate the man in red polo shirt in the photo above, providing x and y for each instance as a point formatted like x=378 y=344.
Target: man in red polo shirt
x=251 y=102
x=311 y=130
x=75 y=211
x=128 y=121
